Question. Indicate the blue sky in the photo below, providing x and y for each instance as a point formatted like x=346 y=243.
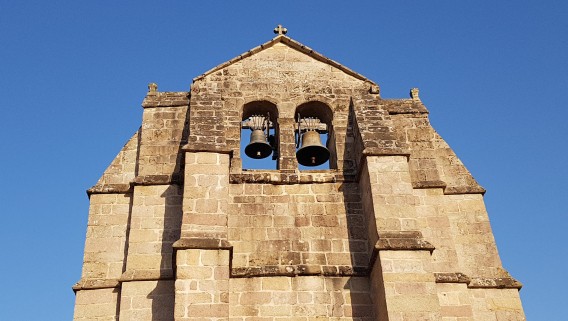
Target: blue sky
x=73 y=75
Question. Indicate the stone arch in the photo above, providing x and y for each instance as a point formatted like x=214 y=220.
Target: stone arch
x=322 y=111
x=261 y=107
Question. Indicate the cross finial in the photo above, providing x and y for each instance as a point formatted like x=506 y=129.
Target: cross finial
x=280 y=30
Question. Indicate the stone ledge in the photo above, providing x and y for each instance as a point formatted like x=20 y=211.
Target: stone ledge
x=202 y=244
x=147 y=180
x=403 y=106
x=206 y=148
x=403 y=241
x=452 y=278
x=146 y=275
x=298 y=270
x=280 y=178
x=166 y=99
x=110 y=189
x=494 y=283
x=90 y=284
x=428 y=184
x=375 y=151
x=455 y=190
x=478 y=282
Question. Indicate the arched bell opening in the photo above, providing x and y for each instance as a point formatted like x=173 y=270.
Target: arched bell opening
x=259 y=135
x=315 y=143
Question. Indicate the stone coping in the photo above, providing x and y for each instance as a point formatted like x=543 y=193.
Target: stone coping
x=402 y=241
x=282 y=178
x=155 y=99
x=146 y=180
x=146 y=275
x=377 y=151
x=454 y=190
x=93 y=284
x=110 y=189
x=202 y=244
x=206 y=148
x=495 y=283
x=299 y=270
x=428 y=184
x=478 y=282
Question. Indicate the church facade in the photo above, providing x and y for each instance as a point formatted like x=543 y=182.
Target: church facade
x=392 y=228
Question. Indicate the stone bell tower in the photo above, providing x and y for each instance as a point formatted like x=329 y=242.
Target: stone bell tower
x=392 y=228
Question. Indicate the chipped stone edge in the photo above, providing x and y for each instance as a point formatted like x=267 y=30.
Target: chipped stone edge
x=110 y=189
x=166 y=99
x=202 y=244
x=457 y=190
x=478 y=282
x=88 y=284
x=495 y=283
x=282 y=178
x=147 y=180
x=452 y=278
x=299 y=270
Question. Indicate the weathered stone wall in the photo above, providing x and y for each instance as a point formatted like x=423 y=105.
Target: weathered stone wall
x=281 y=76
x=300 y=298
x=395 y=230
x=163 y=132
x=297 y=229
x=97 y=305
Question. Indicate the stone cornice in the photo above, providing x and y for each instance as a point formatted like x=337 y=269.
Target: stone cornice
x=146 y=275
x=282 y=178
x=90 y=284
x=166 y=99
x=403 y=241
x=147 y=180
x=110 y=189
x=202 y=244
x=206 y=148
x=298 y=270
x=479 y=282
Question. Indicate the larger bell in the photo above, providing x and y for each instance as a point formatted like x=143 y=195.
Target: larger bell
x=258 y=147
x=312 y=152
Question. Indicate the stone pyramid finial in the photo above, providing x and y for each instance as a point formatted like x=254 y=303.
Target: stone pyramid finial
x=279 y=30
x=152 y=87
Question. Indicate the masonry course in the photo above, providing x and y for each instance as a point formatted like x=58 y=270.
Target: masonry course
x=395 y=229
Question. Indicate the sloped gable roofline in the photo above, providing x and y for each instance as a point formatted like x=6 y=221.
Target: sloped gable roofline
x=292 y=44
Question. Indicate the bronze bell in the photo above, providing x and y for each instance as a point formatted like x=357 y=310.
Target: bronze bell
x=312 y=152
x=258 y=147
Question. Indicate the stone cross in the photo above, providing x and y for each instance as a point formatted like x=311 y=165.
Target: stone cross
x=280 y=30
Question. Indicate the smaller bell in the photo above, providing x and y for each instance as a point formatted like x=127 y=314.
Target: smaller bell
x=258 y=147
x=312 y=152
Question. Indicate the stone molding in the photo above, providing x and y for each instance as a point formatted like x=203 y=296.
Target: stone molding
x=403 y=241
x=202 y=244
x=282 y=178
x=452 y=278
x=155 y=99
x=376 y=151
x=110 y=189
x=147 y=180
x=299 y=270
x=494 y=283
x=478 y=282
x=206 y=148
x=455 y=190
x=90 y=284
x=428 y=184
x=146 y=275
